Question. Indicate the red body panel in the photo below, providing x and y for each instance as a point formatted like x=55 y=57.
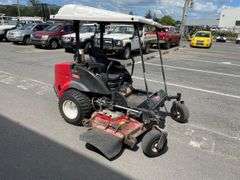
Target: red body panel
x=121 y=126
x=63 y=77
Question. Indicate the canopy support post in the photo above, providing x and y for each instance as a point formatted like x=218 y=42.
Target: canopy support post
x=161 y=61
x=102 y=31
x=136 y=28
x=77 y=33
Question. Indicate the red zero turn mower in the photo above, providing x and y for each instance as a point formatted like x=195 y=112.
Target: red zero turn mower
x=96 y=91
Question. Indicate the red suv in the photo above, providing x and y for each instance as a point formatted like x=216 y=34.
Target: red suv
x=168 y=36
x=51 y=36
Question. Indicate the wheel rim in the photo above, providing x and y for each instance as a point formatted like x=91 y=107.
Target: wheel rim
x=155 y=146
x=70 y=109
x=54 y=45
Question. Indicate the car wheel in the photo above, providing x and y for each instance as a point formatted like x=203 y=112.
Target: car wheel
x=127 y=52
x=150 y=143
x=53 y=44
x=74 y=106
x=26 y=40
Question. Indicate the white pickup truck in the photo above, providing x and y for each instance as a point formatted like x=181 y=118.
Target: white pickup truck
x=86 y=33
x=123 y=40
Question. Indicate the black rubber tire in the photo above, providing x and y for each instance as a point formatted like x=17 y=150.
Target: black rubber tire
x=52 y=44
x=26 y=40
x=149 y=140
x=126 y=52
x=180 y=112
x=82 y=102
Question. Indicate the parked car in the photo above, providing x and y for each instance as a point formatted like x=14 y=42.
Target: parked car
x=238 y=39
x=86 y=33
x=123 y=40
x=202 y=39
x=51 y=36
x=169 y=36
x=11 y=25
x=22 y=35
x=221 y=38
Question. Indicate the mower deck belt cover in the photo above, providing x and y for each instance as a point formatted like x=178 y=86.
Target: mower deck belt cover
x=108 y=144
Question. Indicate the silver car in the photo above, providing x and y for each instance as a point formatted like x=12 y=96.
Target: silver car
x=22 y=35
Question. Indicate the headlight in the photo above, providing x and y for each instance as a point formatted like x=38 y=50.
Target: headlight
x=45 y=37
x=118 y=42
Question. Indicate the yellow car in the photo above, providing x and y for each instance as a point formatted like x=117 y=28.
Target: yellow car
x=202 y=39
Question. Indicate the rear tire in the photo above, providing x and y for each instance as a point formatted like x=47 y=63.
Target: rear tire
x=179 y=112
x=26 y=40
x=74 y=106
x=150 y=142
x=53 y=44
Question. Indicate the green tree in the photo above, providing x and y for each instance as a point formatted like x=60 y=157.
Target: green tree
x=167 y=20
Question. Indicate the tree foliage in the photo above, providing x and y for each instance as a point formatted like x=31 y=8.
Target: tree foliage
x=167 y=20
x=11 y=10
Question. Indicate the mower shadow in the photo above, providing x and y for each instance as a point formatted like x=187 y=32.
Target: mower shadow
x=26 y=154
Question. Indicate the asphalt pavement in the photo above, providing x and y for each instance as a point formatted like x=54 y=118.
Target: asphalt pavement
x=35 y=142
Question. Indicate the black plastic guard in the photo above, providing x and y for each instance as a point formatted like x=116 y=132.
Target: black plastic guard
x=108 y=144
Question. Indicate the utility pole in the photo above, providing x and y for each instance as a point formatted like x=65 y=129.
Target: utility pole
x=18 y=9
x=184 y=15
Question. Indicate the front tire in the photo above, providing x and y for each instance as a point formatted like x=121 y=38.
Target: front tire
x=179 y=112
x=74 y=106
x=26 y=40
x=150 y=143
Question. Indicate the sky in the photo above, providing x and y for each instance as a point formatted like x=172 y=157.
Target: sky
x=201 y=9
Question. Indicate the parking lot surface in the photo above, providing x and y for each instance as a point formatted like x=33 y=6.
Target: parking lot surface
x=37 y=144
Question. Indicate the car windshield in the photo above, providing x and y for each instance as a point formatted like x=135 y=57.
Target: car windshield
x=123 y=29
x=26 y=27
x=87 y=29
x=53 y=28
x=202 y=34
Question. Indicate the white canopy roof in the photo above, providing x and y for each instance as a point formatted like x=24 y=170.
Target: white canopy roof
x=90 y=14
